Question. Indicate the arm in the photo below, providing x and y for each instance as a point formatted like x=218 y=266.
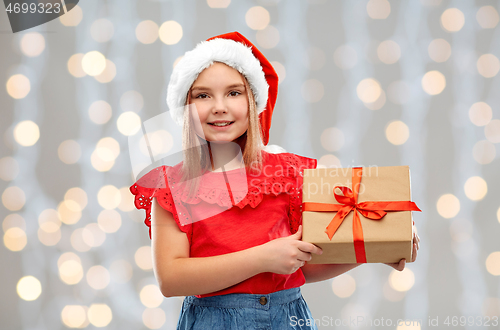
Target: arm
x=320 y=272
x=180 y=275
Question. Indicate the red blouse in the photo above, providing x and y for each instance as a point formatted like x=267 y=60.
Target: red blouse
x=233 y=211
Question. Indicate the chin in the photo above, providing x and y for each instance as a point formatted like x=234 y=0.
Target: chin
x=219 y=141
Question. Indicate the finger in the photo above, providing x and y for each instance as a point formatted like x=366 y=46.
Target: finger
x=401 y=265
x=301 y=264
x=298 y=234
x=416 y=238
x=310 y=248
x=393 y=265
x=298 y=265
x=304 y=256
x=414 y=255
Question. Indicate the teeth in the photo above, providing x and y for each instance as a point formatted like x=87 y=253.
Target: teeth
x=221 y=124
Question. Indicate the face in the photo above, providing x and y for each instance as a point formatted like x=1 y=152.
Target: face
x=221 y=102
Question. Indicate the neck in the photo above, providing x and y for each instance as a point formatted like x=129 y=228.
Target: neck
x=225 y=156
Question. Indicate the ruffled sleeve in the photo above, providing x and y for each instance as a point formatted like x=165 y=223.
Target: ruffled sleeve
x=296 y=165
x=157 y=183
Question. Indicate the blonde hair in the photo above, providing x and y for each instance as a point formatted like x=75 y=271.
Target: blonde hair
x=197 y=155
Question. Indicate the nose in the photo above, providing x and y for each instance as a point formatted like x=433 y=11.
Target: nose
x=219 y=106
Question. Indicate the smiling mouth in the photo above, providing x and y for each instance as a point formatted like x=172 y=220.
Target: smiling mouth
x=221 y=124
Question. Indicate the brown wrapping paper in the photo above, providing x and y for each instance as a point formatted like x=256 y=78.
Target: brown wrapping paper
x=387 y=240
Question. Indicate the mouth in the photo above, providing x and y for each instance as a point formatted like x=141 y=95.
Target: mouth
x=221 y=123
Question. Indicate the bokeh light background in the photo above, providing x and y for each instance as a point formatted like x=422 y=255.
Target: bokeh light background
x=375 y=82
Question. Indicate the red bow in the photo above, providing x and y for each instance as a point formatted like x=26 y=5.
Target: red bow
x=349 y=202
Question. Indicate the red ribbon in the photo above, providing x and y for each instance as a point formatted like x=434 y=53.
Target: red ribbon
x=349 y=202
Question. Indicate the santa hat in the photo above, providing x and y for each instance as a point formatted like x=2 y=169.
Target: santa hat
x=238 y=52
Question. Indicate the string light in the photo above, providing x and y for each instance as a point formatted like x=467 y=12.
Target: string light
x=433 y=82
x=312 y=90
x=397 y=132
x=268 y=38
x=378 y=9
x=389 y=52
x=18 y=86
x=32 y=44
x=102 y=30
x=488 y=65
x=99 y=315
x=143 y=258
x=487 y=17
x=170 y=32
x=439 y=50
x=29 y=288
x=257 y=18
x=151 y=296
x=368 y=90
x=343 y=286
x=332 y=139
x=402 y=281
x=72 y=17
x=147 y=32
x=448 y=206
x=280 y=70
x=154 y=318
x=328 y=160
x=452 y=20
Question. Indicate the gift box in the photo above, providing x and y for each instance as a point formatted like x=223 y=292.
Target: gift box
x=358 y=215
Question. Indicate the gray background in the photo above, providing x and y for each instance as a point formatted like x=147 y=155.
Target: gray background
x=450 y=277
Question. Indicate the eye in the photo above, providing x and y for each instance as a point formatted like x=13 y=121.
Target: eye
x=234 y=93
x=201 y=96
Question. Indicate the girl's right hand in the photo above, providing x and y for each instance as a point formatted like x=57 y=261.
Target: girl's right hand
x=286 y=255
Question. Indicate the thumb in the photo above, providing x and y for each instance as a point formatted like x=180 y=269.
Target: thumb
x=297 y=235
x=401 y=265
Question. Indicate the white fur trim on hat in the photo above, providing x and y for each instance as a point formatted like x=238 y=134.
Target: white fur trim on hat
x=230 y=52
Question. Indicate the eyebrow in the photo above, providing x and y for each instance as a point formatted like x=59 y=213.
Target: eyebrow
x=208 y=88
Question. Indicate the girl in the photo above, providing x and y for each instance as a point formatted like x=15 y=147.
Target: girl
x=225 y=223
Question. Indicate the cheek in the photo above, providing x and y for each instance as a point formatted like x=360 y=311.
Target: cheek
x=242 y=112
x=202 y=114
x=197 y=117
x=201 y=111
x=243 y=120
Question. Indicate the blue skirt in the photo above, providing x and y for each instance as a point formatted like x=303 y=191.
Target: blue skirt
x=284 y=309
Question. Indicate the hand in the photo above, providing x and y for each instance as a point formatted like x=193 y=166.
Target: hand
x=416 y=245
x=286 y=255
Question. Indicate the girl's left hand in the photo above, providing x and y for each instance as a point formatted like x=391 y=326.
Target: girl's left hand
x=416 y=245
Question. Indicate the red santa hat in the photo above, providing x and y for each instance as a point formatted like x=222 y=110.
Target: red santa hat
x=238 y=52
